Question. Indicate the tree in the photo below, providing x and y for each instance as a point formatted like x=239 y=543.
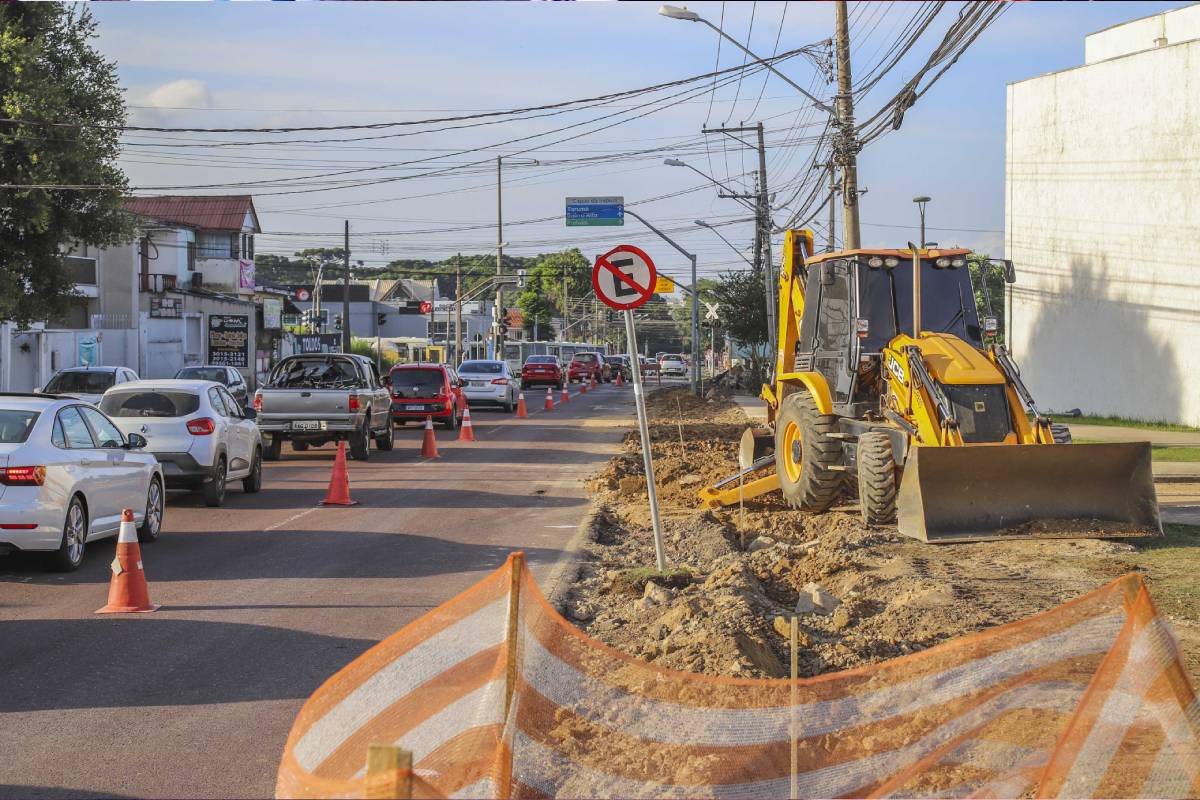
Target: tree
x=982 y=268
x=65 y=102
x=743 y=298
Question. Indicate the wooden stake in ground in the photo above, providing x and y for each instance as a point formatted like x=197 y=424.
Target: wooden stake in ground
x=389 y=773
x=679 y=422
x=793 y=727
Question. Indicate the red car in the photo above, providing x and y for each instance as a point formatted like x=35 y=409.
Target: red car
x=585 y=366
x=426 y=390
x=543 y=371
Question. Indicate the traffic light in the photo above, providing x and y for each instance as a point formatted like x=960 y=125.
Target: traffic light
x=381 y=319
x=337 y=322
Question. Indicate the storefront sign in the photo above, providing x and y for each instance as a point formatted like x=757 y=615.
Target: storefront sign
x=229 y=340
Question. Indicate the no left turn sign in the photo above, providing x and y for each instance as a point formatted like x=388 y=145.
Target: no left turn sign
x=624 y=277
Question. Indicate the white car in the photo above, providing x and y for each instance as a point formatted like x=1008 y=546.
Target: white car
x=672 y=365
x=88 y=383
x=489 y=382
x=66 y=474
x=198 y=432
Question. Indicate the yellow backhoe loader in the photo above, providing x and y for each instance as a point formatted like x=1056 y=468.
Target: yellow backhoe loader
x=934 y=423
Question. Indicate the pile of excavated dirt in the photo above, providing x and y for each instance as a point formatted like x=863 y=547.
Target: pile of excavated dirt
x=862 y=594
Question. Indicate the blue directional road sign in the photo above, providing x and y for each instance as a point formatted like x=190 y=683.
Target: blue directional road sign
x=595 y=211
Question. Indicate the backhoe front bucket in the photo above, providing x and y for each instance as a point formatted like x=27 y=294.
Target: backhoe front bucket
x=963 y=494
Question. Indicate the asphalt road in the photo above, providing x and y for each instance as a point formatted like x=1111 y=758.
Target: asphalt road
x=265 y=598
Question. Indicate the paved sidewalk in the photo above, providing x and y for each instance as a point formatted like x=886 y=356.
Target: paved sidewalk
x=1112 y=433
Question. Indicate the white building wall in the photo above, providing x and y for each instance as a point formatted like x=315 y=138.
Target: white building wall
x=1103 y=224
x=1172 y=27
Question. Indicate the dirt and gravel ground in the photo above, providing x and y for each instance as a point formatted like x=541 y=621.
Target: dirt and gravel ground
x=863 y=595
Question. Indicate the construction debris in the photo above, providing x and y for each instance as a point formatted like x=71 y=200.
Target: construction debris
x=861 y=595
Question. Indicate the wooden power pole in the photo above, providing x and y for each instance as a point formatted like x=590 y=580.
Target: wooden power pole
x=846 y=143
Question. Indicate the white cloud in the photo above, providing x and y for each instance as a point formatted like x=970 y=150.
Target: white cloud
x=181 y=94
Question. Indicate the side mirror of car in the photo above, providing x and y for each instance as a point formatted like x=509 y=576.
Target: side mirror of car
x=249 y=413
x=387 y=380
x=135 y=441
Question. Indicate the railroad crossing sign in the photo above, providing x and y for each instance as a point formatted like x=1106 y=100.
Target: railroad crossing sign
x=624 y=277
x=712 y=309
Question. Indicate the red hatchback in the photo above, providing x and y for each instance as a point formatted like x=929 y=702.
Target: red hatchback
x=586 y=366
x=542 y=371
x=426 y=390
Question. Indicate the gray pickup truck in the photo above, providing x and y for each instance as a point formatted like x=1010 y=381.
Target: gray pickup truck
x=324 y=397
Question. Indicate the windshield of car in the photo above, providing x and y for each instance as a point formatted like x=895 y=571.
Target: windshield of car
x=16 y=425
x=585 y=358
x=315 y=372
x=149 y=403
x=540 y=360
x=82 y=382
x=417 y=382
x=217 y=374
x=482 y=367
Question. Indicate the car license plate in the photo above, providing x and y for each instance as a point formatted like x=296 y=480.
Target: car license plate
x=414 y=408
x=307 y=425
x=477 y=384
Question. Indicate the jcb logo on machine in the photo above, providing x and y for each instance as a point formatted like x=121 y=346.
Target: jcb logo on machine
x=896 y=369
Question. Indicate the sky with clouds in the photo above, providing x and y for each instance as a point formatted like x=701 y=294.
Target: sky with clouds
x=317 y=64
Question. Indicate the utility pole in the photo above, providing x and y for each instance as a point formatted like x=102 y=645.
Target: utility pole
x=346 y=335
x=498 y=314
x=458 y=343
x=764 y=226
x=565 y=308
x=845 y=143
x=831 y=243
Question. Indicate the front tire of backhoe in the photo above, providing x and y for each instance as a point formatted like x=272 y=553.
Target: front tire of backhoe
x=805 y=455
x=876 y=478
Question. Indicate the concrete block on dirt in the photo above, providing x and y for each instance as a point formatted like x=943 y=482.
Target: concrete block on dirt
x=760 y=543
x=822 y=599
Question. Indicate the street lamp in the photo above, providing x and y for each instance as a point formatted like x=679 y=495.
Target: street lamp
x=674 y=12
x=732 y=247
x=675 y=162
x=921 y=201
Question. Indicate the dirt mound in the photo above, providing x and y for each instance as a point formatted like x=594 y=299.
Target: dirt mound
x=861 y=594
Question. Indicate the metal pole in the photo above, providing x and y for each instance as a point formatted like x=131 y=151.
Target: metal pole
x=695 y=331
x=764 y=204
x=346 y=334
x=458 y=343
x=565 y=308
x=916 y=289
x=498 y=314
x=845 y=143
x=921 y=243
x=660 y=558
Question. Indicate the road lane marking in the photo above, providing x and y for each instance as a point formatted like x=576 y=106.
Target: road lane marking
x=290 y=519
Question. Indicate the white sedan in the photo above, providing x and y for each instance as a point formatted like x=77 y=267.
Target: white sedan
x=672 y=365
x=489 y=382
x=66 y=474
x=88 y=383
x=197 y=430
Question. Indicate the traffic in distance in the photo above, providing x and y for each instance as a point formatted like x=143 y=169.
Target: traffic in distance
x=96 y=440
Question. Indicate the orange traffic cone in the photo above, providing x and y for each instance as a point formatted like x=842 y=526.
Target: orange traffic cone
x=522 y=413
x=593 y=381
x=429 y=444
x=466 y=433
x=620 y=380
x=583 y=387
x=566 y=394
x=338 y=493
x=127 y=591
x=550 y=398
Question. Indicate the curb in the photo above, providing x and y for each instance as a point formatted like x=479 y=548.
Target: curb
x=566 y=572
x=1177 y=478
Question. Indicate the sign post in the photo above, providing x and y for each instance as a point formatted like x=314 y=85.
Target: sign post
x=624 y=278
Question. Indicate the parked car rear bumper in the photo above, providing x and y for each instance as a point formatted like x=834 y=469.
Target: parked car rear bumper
x=437 y=409
x=181 y=470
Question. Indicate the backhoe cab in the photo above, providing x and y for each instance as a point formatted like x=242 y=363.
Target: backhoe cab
x=932 y=419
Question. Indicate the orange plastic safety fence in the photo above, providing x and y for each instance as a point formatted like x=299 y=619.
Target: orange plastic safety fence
x=1087 y=699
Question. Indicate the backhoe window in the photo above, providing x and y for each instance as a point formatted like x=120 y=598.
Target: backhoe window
x=947 y=303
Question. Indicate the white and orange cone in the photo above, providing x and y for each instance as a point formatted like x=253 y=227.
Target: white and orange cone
x=127 y=591
x=466 y=433
x=550 y=398
x=338 y=493
x=583 y=387
x=428 y=442
x=566 y=394
x=522 y=412
x=620 y=380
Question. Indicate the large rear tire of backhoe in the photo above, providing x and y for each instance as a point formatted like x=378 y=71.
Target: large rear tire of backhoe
x=876 y=478
x=805 y=454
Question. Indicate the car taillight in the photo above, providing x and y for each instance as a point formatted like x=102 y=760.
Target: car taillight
x=201 y=427
x=501 y=381
x=353 y=402
x=23 y=476
x=258 y=400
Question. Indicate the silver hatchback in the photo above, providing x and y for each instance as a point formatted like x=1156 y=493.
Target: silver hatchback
x=66 y=473
x=489 y=382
